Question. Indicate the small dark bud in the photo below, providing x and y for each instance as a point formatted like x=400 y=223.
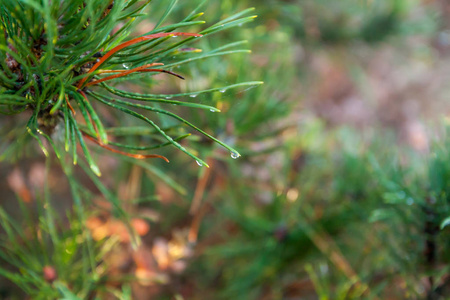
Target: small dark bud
x=280 y=233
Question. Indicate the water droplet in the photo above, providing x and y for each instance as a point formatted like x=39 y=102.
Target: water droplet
x=193 y=95
x=126 y=66
x=97 y=60
x=168 y=97
x=410 y=201
x=199 y=163
x=212 y=110
x=223 y=90
x=235 y=155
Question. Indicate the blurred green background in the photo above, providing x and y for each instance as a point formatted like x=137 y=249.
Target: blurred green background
x=342 y=190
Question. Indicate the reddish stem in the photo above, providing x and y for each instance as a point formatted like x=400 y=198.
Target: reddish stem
x=137 y=156
x=132 y=42
x=70 y=106
x=138 y=68
x=125 y=73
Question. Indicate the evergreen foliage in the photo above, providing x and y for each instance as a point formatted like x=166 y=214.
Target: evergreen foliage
x=310 y=211
x=62 y=63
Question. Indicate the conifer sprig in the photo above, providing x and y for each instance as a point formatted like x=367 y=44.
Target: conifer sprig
x=56 y=58
x=62 y=65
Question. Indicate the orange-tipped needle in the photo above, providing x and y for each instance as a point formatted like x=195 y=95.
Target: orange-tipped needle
x=132 y=42
x=135 y=69
x=137 y=156
x=127 y=72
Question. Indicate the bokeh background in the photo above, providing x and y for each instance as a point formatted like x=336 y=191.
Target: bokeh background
x=342 y=189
